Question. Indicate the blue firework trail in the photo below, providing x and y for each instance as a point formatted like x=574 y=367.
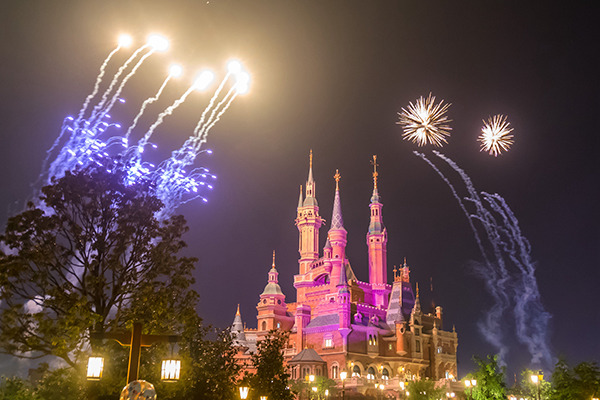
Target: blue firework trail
x=507 y=271
x=93 y=139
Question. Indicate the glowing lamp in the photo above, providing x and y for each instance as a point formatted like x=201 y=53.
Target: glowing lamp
x=381 y=387
x=263 y=397
x=244 y=392
x=326 y=392
x=175 y=70
x=535 y=379
x=314 y=389
x=94 y=368
x=343 y=375
x=311 y=378
x=203 y=80
x=234 y=67
x=170 y=370
x=158 y=43
x=125 y=40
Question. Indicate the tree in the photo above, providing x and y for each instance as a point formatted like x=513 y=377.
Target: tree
x=527 y=389
x=580 y=382
x=424 y=389
x=490 y=380
x=271 y=378
x=91 y=257
x=16 y=389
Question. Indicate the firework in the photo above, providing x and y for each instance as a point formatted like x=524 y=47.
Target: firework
x=92 y=139
x=425 y=122
x=496 y=135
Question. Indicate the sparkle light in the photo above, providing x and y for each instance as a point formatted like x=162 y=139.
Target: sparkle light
x=158 y=42
x=496 y=135
x=234 y=67
x=203 y=80
x=175 y=70
x=425 y=122
x=125 y=40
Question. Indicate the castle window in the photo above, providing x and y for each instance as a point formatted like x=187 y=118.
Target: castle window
x=439 y=349
x=370 y=373
x=418 y=346
x=327 y=342
x=356 y=371
x=264 y=325
x=385 y=374
x=390 y=347
x=334 y=372
x=417 y=331
x=278 y=325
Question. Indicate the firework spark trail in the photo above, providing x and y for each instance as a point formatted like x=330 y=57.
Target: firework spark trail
x=97 y=84
x=491 y=327
x=210 y=104
x=532 y=320
x=205 y=131
x=114 y=81
x=148 y=101
x=114 y=98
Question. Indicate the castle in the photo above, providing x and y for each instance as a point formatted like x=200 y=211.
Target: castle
x=373 y=331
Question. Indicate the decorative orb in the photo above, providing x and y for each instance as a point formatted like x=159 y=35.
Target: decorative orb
x=138 y=390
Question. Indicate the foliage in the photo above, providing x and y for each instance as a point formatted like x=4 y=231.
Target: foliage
x=302 y=388
x=16 y=389
x=579 y=382
x=91 y=256
x=271 y=377
x=490 y=380
x=527 y=389
x=424 y=390
x=208 y=369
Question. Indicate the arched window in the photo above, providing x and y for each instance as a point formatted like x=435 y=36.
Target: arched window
x=371 y=373
x=264 y=325
x=385 y=374
x=334 y=372
x=356 y=371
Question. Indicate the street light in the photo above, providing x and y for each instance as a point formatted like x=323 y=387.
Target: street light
x=170 y=370
x=244 y=392
x=343 y=376
x=470 y=383
x=537 y=380
x=94 y=368
x=263 y=397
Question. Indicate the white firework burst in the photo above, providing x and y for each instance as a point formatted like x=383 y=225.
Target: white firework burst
x=496 y=135
x=425 y=122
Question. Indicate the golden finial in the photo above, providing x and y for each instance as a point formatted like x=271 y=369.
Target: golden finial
x=417 y=290
x=310 y=159
x=238 y=310
x=405 y=261
x=395 y=274
x=273 y=258
x=337 y=177
x=375 y=173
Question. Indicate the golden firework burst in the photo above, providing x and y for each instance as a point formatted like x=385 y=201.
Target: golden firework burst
x=425 y=122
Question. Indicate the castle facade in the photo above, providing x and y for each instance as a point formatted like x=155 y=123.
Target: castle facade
x=375 y=332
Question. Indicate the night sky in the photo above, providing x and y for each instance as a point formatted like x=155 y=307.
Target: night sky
x=331 y=76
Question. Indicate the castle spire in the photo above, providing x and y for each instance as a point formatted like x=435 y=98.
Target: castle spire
x=337 y=221
x=238 y=310
x=311 y=199
x=377 y=243
x=375 y=196
x=273 y=258
x=300 y=198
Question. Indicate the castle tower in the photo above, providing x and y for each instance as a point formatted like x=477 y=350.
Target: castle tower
x=337 y=235
x=377 y=244
x=272 y=311
x=308 y=222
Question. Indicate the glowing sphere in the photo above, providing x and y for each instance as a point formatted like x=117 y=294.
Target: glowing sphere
x=234 y=67
x=125 y=40
x=203 y=80
x=138 y=390
x=158 y=43
x=243 y=83
x=175 y=70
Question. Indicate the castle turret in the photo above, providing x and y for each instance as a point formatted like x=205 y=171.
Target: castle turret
x=272 y=311
x=308 y=222
x=337 y=235
x=377 y=244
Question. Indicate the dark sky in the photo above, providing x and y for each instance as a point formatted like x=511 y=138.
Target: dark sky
x=331 y=76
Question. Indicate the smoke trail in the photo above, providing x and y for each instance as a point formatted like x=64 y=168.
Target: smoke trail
x=491 y=325
x=148 y=101
x=508 y=248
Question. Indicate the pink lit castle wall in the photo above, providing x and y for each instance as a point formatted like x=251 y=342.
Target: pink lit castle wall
x=373 y=331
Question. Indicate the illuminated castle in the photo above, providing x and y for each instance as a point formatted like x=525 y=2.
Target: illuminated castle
x=374 y=331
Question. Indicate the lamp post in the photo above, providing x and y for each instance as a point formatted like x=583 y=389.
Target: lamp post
x=135 y=341
x=470 y=384
x=537 y=380
x=343 y=376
